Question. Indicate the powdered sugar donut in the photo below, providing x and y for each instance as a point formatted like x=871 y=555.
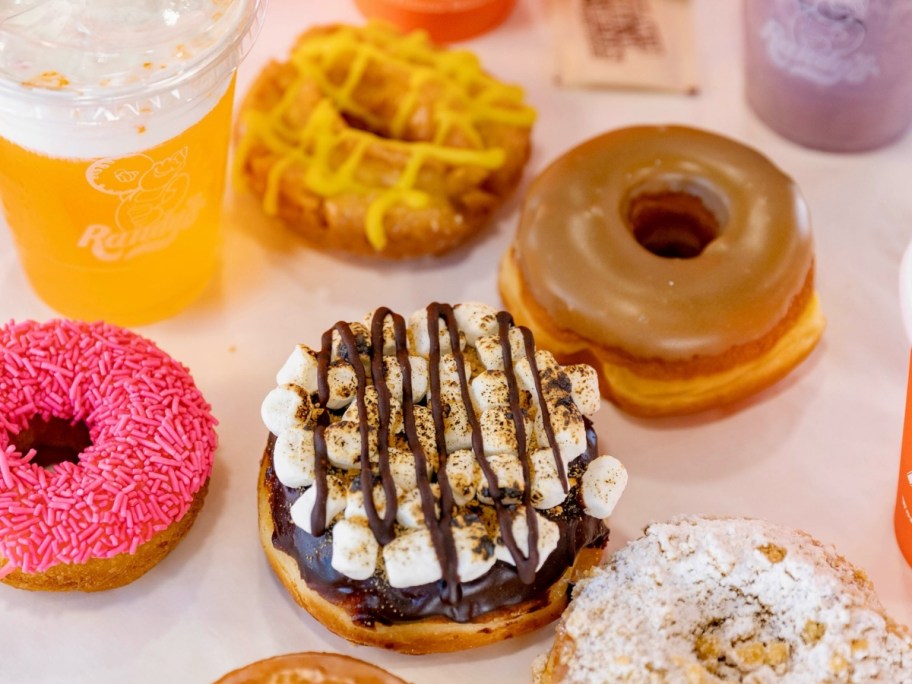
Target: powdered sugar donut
x=712 y=600
x=106 y=448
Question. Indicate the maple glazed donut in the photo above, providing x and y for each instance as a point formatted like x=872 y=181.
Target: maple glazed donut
x=106 y=448
x=477 y=518
x=374 y=142
x=678 y=262
x=713 y=600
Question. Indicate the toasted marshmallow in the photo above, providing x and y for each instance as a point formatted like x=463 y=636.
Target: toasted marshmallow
x=410 y=511
x=389 y=333
x=354 y=501
x=463 y=472
x=420 y=377
x=474 y=548
x=548 y=536
x=491 y=355
x=547 y=366
x=475 y=320
x=335 y=503
x=457 y=430
x=343 y=444
x=285 y=407
x=300 y=369
x=341 y=352
x=372 y=409
x=393 y=375
x=449 y=371
x=490 y=389
x=418 y=339
x=547 y=488
x=354 y=549
x=498 y=430
x=424 y=427
x=568 y=427
x=402 y=468
x=603 y=483
x=293 y=457
x=507 y=468
x=343 y=384
x=410 y=559
x=584 y=380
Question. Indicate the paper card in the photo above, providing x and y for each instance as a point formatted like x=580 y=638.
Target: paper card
x=646 y=44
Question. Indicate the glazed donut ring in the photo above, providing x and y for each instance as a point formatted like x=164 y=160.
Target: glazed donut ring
x=106 y=448
x=310 y=668
x=715 y=600
x=678 y=262
x=372 y=142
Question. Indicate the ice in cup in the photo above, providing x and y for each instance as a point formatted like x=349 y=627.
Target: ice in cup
x=834 y=75
x=114 y=129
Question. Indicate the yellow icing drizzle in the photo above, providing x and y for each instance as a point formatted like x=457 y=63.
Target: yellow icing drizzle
x=331 y=150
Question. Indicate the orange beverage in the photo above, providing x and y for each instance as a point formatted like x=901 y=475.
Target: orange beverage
x=128 y=239
x=112 y=178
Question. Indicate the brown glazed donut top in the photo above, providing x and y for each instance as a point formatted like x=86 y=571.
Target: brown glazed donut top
x=664 y=241
x=528 y=576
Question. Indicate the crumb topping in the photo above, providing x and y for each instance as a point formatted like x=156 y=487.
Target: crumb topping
x=728 y=600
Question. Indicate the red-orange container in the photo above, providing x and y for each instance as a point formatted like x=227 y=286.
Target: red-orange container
x=444 y=20
x=902 y=518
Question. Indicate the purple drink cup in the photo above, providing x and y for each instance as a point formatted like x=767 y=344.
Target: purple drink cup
x=833 y=75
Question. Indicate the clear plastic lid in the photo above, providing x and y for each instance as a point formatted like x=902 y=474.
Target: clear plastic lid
x=101 y=60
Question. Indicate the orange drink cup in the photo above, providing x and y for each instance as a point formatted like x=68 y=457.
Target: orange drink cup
x=902 y=520
x=113 y=148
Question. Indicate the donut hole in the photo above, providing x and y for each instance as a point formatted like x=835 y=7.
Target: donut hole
x=676 y=221
x=55 y=441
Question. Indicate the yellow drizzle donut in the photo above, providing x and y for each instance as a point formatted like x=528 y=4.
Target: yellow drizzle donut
x=677 y=262
x=372 y=142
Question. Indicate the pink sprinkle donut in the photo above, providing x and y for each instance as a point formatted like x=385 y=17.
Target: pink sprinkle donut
x=137 y=440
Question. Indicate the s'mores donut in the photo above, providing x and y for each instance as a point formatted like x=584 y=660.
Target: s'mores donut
x=723 y=600
x=432 y=484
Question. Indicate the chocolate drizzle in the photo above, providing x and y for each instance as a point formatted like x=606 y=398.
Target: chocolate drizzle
x=447 y=544
x=450 y=591
x=526 y=564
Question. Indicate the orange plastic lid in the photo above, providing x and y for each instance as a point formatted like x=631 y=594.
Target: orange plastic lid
x=444 y=20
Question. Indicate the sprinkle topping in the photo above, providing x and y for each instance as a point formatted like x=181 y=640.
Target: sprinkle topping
x=152 y=433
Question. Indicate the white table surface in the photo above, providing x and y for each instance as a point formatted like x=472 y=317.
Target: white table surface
x=818 y=451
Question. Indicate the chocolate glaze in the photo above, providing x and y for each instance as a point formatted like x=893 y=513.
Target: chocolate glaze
x=373 y=599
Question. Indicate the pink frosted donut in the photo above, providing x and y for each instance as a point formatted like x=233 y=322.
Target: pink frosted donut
x=106 y=447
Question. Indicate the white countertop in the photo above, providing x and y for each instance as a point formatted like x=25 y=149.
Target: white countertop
x=818 y=451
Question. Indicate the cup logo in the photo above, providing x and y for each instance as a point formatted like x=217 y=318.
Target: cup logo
x=153 y=205
x=821 y=41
